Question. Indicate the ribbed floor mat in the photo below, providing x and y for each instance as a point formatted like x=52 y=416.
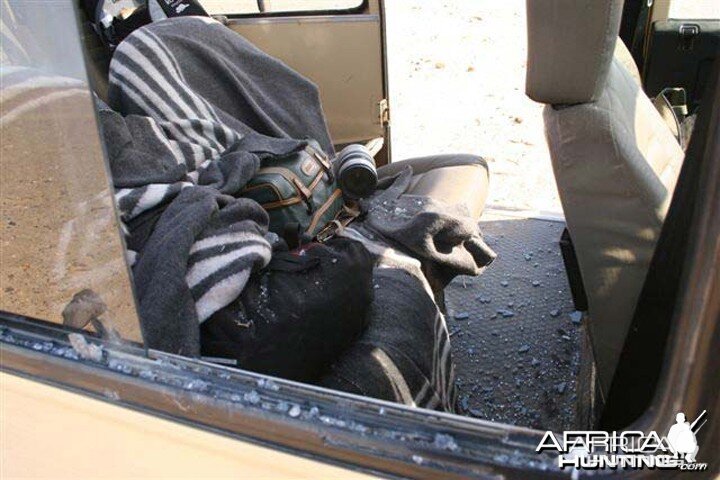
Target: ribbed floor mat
x=515 y=338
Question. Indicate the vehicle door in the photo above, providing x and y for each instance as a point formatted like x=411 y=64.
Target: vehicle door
x=338 y=44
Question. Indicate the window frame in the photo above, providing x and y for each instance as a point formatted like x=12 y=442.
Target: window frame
x=367 y=434
x=360 y=9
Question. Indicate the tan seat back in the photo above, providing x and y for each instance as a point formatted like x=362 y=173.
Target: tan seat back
x=614 y=158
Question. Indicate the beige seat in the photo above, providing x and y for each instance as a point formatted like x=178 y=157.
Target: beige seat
x=614 y=158
x=451 y=178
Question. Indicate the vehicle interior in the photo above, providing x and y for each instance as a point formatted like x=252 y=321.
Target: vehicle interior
x=546 y=338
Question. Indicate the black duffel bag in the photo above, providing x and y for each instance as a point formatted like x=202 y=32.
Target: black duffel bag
x=298 y=315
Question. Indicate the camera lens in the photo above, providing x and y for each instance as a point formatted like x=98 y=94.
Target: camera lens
x=356 y=171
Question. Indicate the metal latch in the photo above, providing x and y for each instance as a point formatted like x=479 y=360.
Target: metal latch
x=687 y=33
x=677 y=99
x=384 y=112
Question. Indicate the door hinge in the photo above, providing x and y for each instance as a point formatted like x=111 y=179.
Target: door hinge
x=384 y=112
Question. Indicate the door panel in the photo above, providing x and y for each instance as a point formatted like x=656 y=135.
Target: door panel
x=680 y=54
x=342 y=53
x=106 y=440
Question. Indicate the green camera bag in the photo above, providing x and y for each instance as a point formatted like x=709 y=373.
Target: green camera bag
x=298 y=190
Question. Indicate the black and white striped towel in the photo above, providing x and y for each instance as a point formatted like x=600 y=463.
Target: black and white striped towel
x=194 y=109
x=404 y=356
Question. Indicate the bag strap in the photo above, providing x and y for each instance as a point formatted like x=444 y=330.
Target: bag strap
x=337 y=193
x=344 y=218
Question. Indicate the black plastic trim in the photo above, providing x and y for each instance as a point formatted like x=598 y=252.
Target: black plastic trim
x=572 y=269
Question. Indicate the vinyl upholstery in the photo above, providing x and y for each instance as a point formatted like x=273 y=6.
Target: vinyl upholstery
x=453 y=179
x=570 y=45
x=615 y=162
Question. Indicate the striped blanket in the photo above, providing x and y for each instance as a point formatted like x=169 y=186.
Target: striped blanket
x=404 y=356
x=191 y=114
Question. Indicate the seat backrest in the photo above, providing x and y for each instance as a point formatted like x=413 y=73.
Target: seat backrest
x=614 y=158
x=623 y=55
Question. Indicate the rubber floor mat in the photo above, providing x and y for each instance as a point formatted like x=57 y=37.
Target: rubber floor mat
x=514 y=332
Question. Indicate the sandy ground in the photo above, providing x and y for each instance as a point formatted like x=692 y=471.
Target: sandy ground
x=457 y=79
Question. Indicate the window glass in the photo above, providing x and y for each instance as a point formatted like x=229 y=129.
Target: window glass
x=694 y=9
x=235 y=7
x=59 y=234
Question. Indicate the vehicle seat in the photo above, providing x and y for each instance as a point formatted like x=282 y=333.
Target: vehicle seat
x=614 y=158
x=623 y=55
x=453 y=179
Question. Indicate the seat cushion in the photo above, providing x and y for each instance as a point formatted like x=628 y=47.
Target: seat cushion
x=453 y=179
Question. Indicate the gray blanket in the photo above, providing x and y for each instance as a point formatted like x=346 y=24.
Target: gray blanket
x=404 y=355
x=195 y=107
x=443 y=237
x=198 y=108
